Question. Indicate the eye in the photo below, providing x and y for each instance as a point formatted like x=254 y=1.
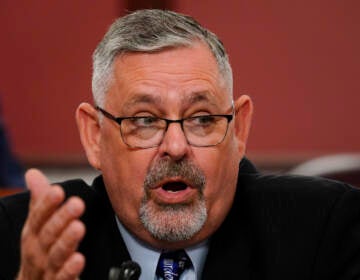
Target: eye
x=204 y=120
x=144 y=121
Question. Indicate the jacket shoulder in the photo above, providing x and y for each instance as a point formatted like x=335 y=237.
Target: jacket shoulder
x=288 y=202
x=292 y=188
x=312 y=221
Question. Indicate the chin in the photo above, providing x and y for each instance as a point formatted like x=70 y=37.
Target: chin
x=173 y=222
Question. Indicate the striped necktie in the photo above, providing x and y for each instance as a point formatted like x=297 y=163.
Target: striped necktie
x=172 y=264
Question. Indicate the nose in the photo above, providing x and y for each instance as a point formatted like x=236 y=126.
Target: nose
x=174 y=143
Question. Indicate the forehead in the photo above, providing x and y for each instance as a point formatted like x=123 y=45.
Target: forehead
x=183 y=74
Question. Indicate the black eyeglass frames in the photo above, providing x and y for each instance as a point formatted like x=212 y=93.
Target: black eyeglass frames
x=148 y=131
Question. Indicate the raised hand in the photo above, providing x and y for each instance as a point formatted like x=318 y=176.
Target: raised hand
x=52 y=232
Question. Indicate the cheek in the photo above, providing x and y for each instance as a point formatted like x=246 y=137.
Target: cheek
x=121 y=165
x=124 y=172
x=124 y=183
x=221 y=170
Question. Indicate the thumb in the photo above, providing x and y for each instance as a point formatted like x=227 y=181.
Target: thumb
x=36 y=182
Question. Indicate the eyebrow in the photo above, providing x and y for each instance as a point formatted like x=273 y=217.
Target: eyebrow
x=193 y=98
x=143 y=98
x=199 y=97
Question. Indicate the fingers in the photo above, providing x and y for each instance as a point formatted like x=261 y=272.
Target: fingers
x=52 y=232
x=43 y=205
x=44 y=199
x=72 y=209
x=65 y=245
x=63 y=262
x=72 y=267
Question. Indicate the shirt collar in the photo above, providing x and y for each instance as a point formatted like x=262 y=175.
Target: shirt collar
x=147 y=257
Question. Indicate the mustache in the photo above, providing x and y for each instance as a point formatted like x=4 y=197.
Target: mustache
x=167 y=168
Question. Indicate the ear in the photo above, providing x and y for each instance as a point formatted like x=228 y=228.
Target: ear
x=243 y=117
x=89 y=129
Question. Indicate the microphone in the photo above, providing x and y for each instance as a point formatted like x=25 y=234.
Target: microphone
x=128 y=270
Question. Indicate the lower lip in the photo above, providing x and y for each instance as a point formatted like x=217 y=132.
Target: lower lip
x=182 y=196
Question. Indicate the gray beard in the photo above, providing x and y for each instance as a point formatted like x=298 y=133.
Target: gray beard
x=173 y=222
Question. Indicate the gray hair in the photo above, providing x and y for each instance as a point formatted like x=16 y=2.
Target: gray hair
x=149 y=31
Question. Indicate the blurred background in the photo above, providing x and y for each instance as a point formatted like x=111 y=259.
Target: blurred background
x=299 y=61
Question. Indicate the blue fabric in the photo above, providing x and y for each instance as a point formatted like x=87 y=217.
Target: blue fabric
x=11 y=172
x=172 y=264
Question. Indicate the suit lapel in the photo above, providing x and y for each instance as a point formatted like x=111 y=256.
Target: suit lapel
x=229 y=259
x=231 y=247
x=103 y=244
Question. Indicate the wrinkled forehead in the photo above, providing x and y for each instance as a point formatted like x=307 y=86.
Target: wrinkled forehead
x=190 y=74
x=200 y=99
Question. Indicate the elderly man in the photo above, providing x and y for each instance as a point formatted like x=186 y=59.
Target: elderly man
x=176 y=194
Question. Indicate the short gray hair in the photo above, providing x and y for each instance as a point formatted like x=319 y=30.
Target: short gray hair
x=149 y=31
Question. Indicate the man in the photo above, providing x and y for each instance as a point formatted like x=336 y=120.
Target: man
x=170 y=144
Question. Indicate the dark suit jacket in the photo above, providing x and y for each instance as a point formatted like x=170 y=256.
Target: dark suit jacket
x=280 y=227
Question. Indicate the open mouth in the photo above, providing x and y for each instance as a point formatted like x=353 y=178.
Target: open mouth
x=173 y=191
x=174 y=186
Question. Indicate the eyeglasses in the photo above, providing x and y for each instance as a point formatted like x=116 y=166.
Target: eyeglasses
x=148 y=132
